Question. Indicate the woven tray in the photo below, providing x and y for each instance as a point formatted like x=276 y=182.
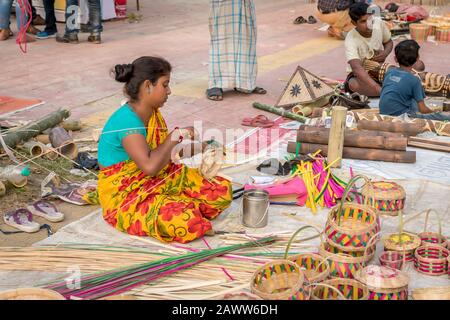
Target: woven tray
x=30 y=294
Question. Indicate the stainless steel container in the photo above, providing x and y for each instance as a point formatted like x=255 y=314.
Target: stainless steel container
x=255 y=208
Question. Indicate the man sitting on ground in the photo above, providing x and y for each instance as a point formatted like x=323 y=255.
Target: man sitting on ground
x=402 y=91
x=360 y=46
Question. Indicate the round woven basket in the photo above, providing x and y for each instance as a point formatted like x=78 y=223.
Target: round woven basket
x=432 y=260
x=349 y=290
x=388 y=198
x=314 y=266
x=344 y=264
x=30 y=294
x=433 y=293
x=419 y=31
x=384 y=283
x=392 y=259
x=279 y=280
x=240 y=296
x=428 y=237
x=442 y=34
x=405 y=243
x=350 y=226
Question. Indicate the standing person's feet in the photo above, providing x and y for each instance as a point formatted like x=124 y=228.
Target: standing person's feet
x=5 y=34
x=215 y=94
x=45 y=35
x=95 y=38
x=257 y=90
x=33 y=30
x=38 y=21
x=67 y=38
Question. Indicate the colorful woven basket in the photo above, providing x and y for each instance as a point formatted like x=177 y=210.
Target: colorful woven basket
x=432 y=260
x=279 y=280
x=388 y=198
x=344 y=264
x=350 y=225
x=442 y=34
x=384 y=283
x=428 y=237
x=340 y=289
x=419 y=31
x=405 y=243
x=240 y=296
x=314 y=266
x=392 y=259
x=433 y=293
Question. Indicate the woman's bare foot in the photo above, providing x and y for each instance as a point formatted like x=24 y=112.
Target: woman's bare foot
x=4 y=34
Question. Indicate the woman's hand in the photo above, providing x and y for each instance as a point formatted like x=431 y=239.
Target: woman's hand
x=189 y=133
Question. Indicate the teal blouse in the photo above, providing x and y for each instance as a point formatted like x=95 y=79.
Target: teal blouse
x=120 y=124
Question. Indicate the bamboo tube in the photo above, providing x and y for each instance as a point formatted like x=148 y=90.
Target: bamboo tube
x=336 y=137
x=364 y=132
x=72 y=125
x=2 y=189
x=409 y=129
x=63 y=142
x=43 y=138
x=354 y=139
x=359 y=153
x=429 y=144
x=280 y=112
x=34 y=148
x=50 y=153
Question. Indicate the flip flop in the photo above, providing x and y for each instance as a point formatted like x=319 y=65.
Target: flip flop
x=312 y=20
x=214 y=92
x=260 y=121
x=21 y=219
x=46 y=210
x=300 y=20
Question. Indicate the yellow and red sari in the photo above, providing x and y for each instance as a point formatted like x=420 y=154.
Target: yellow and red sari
x=175 y=205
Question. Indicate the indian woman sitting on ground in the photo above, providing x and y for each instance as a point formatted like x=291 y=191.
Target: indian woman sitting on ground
x=141 y=190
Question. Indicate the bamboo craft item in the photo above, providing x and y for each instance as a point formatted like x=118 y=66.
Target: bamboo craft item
x=384 y=283
x=336 y=137
x=348 y=288
x=442 y=34
x=240 y=296
x=280 y=111
x=30 y=294
x=428 y=237
x=314 y=266
x=392 y=259
x=419 y=31
x=2 y=189
x=63 y=142
x=403 y=242
x=357 y=153
x=429 y=144
x=350 y=226
x=354 y=139
x=431 y=260
x=433 y=293
x=279 y=280
x=409 y=129
x=388 y=198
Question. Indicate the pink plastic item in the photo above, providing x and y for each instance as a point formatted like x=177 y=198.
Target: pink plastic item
x=295 y=186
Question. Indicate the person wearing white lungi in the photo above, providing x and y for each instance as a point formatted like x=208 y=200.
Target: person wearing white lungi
x=232 y=54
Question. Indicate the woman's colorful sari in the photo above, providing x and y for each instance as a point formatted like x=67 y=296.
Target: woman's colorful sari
x=175 y=205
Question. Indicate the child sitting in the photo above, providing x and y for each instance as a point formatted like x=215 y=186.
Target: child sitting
x=402 y=91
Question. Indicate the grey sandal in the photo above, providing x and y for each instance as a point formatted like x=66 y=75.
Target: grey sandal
x=215 y=94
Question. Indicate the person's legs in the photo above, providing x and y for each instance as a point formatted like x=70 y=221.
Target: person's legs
x=50 y=18
x=72 y=25
x=22 y=20
x=439 y=116
x=355 y=86
x=5 y=8
x=95 y=21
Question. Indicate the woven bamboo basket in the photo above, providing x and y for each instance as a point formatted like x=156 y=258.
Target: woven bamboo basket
x=384 y=283
x=392 y=259
x=279 y=280
x=340 y=289
x=314 y=266
x=428 y=237
x=350 y=225
x=388 y=198
x=240 y=296
x=433 y=293
x=442 y=34
x=432 y=260
x=30 y=294
x=419 y=31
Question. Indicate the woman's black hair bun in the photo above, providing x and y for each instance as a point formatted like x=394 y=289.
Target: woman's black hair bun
x=123 y=72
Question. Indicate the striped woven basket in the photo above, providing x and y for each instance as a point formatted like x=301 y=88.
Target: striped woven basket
x=350 y=225
x=432 y=260
x=279 y=280
x=419 y=31
x=384 y=283
x=392 y=259
x=428 y=237
x=388 y=198
x=314 y=266
x=339 y=289
x=442 y=34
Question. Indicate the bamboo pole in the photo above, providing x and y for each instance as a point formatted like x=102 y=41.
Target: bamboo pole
x=24 y=133
x=280 y=111
x=359 y=153
x=336 y=137
x=429 y=144
x=409 y=129
x=364 y=132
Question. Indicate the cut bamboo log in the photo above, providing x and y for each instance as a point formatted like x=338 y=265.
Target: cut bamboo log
x=280 y=112
x=34 y=148
x=63 y=142
x=429 y=144
x=409 y=129
x=43 y=138
x=72 y=125
x=22 y=134
x=336 y=136
x=354 y=139
x=365 y=132
x=359 y=153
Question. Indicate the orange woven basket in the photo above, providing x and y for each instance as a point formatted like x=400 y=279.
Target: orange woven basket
x=419 y=31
